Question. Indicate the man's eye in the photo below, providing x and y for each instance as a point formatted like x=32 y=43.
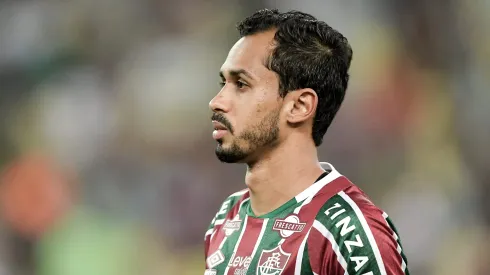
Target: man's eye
x=240 y=84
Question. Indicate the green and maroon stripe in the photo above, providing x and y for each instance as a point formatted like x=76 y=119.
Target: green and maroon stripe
x=246 y=246
x=217 y=239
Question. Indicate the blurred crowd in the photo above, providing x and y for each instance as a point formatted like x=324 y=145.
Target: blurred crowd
x=108 y=165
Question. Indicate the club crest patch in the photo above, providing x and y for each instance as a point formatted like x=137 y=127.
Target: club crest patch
x=272 y=262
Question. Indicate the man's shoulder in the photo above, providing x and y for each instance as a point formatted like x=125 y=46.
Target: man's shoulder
x=350 y=206
x=351 y=230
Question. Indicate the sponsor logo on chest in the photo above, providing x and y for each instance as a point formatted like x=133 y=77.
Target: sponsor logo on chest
x=288 y=226
x=231 y=226
x=215 y=259
x=240 y=263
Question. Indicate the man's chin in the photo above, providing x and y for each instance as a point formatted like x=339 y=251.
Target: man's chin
x=229 y=156
x=227 y=159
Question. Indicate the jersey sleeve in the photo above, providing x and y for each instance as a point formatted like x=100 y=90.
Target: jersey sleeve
x=355 y=237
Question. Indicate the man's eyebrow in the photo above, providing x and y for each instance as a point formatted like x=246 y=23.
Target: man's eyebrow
x=236 y=73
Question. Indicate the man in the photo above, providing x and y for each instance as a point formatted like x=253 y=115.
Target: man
x=282 y=84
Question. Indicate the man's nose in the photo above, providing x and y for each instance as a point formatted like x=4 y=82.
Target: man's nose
x=219 y=103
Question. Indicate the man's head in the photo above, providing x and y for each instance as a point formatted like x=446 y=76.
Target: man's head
x=285 y=77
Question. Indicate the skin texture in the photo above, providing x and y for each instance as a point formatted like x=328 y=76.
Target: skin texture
x=269 y=133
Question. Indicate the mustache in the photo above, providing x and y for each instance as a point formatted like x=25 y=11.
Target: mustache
x=218 y=117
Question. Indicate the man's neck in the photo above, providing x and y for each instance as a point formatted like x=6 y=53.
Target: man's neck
x=280 y=176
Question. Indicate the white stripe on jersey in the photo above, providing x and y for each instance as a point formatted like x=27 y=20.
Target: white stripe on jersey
x=219 y=222
x=324 y=231
x=299 y=258
x=244 y=227
x=239 y=193
x=398 y=248
x=307 y=196
x=317 y=186
x=237 y=215
x=209 y=232
x=367 y=230
x=259 y=239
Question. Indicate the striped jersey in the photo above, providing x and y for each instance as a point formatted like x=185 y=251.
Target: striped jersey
x=330 y=228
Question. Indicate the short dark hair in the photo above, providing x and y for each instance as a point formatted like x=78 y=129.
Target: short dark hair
x=308 y=53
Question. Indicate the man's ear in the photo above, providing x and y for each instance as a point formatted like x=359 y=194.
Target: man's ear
x=300 y=105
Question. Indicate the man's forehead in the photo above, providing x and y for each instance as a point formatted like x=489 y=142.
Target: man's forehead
x=250 y=53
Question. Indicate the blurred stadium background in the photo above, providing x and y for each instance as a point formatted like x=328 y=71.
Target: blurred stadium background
x=107 y=162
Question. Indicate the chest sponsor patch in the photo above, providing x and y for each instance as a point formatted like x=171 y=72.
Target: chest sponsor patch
x=288 y=226
x=231 y=226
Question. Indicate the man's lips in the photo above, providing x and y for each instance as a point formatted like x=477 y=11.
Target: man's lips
x=219 y=126
x=219 y=130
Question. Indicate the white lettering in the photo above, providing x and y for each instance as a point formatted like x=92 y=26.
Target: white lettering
x=240 y=261
x=336 y=205
x=337 y=214
x=247 y=262
x=357 y=243
x=231 y=259
x=369 y=273
x=242 y=271
x=345 y=222
x=237 y=262
x=360 y=262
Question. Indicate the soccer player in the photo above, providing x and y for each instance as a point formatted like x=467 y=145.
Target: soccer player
x=282 y=84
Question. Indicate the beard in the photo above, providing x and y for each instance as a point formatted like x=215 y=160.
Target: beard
x=264 y=134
